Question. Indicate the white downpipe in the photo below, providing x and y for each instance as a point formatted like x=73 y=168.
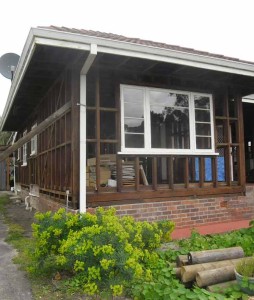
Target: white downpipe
x=82 y=145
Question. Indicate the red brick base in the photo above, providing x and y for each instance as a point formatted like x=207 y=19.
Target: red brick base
x=194 y=212
x=185 y=213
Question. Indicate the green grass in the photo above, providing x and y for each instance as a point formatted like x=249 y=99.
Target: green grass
x=3 y=201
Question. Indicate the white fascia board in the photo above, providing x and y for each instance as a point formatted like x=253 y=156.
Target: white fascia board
x=154 y=53
x=18 y=75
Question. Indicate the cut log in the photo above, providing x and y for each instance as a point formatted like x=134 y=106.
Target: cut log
x=200 y=257
x=221 y=287
x=188 y=273
x=177 y=272
x=182 y=260
x=209 y=277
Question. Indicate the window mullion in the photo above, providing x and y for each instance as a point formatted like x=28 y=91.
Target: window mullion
x=147 y=118
x=192 y=123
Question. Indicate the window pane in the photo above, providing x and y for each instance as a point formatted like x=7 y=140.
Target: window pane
x=133 y=95
x=203 y=142
x=170 y=128
x=134 y=110
x=134 y=140
x=168 y=99
x=202 y=102
x=202 y=115
x=203 y=129
x=133 y=125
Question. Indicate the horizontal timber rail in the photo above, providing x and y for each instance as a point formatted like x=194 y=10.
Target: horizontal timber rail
x=139 y=177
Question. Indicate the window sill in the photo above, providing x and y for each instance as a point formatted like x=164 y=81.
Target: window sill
x=164 y=153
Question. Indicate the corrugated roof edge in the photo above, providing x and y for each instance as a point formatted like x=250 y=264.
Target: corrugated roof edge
x=138 y=41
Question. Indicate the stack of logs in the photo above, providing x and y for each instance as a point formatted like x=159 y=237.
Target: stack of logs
x=210 y=269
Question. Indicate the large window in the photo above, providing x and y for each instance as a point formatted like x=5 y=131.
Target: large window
x=166 y=121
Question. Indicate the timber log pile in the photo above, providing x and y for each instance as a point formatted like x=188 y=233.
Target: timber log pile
x=210 y=269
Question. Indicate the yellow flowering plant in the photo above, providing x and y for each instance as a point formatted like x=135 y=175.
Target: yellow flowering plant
x=103 y=252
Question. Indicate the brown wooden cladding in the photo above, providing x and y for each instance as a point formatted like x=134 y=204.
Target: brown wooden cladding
x=55 y=168
x=51 y=167
x=186 y=176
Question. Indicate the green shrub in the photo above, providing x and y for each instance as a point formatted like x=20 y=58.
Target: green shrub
x=101 y=252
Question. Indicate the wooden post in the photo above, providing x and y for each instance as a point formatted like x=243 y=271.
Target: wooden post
x=75 y=94
x=154 y=173
x=201 y=171
x=214 y=172
x=137 y=172
x=240 y=140
x=98 y=130
x=171 y=172
x=186 y=173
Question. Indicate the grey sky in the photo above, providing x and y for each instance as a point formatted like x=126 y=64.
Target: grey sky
x=218 y=26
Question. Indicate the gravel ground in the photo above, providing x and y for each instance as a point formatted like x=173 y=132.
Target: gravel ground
x=14 y=284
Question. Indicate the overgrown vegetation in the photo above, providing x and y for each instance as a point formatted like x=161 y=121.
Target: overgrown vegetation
x=105 y=257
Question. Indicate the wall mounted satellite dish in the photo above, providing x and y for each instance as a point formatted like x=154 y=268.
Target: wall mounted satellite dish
x=8 y=64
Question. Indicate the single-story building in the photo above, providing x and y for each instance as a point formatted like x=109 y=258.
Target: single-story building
x=155 y=130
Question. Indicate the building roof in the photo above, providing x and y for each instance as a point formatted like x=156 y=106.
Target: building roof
x=138 y=41
x=48 y=50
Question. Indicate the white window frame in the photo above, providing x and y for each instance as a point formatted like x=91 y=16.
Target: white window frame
x=34 y=142
x=24 y=152
x=147 y=132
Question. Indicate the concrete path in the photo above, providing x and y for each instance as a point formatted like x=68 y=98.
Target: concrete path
x=13 y=283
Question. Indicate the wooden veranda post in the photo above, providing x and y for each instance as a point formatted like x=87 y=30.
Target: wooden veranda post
x=75 y=94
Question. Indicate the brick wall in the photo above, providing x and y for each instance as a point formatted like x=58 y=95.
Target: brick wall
x=191 y=212
x=185 y=212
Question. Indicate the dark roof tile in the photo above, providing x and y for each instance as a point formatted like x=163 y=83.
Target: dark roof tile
x=138 y=41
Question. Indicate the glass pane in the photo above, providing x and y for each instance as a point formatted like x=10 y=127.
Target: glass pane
x=202 y=102
x=134 y=110
x=168 y=99
x=203 y=129
x=203 y=142
x=170 y=128
x=108 y=125
x=133 y=95
x=133 y=125
x=134 y=141
x=202 y=115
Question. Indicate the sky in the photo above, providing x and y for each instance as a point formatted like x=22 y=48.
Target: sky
x=217 y=26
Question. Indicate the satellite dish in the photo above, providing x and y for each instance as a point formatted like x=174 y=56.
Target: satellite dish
x=8 y=64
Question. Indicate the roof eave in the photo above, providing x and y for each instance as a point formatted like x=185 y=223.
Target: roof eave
x=57 y=38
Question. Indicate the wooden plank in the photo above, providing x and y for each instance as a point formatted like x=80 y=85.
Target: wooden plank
x=98 y=129
x=214 y=172
x=186 y=172
x=75 y=113
x=171 y=172
x=240 y=139
x=137 y=170
x=161 y=195
x=201 y=171
x=119 y=174
x=154 y=173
